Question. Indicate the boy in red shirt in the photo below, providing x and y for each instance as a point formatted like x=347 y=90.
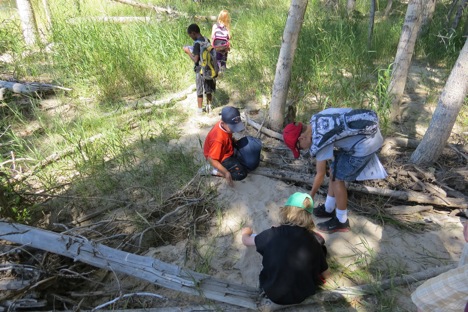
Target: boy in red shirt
x=219 y=146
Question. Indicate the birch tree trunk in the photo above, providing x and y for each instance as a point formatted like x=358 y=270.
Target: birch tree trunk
x=350 y=4
x=427 y=14
x=371 y=25
x=450 y=102
x=404 y=54
x=28 y=22
x=285 y=62
x=388 y=8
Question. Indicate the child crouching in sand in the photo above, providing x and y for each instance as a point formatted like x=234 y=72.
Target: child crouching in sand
x=294 y=263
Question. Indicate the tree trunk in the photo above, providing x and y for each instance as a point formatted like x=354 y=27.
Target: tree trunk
x=285 y=61
x=28 y=22
x=404 y=54
x=350 y=7
x=45 y=4
x=450 y=102
x=459 y=14
x=427 y=14
x=371 y=25
x=388 y=8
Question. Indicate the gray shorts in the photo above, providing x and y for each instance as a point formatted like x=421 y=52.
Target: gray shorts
x=346 y=167
x=204 y=85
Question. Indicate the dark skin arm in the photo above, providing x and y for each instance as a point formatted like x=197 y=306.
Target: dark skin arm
x=194 y=58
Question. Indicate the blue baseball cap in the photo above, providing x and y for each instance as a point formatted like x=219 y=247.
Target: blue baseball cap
x=231 y=116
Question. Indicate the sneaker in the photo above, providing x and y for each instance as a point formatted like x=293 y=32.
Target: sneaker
x=200 y=111
x=333 y=225
x=208 y=108
x=321 y=212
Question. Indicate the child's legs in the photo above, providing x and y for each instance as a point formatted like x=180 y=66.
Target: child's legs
x=210 y=88
x=199 y=82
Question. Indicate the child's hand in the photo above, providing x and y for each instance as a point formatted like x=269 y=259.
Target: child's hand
x=247 y=231
x=186 y=49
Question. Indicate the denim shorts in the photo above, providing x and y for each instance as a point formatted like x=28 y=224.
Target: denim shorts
x=346 y=167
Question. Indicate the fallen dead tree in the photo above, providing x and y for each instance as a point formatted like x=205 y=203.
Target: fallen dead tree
x=177 y=278
x=29 y=88
x=145 y=268
x=410 y=196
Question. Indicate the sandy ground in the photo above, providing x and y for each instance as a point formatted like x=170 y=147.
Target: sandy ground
x=255 y=202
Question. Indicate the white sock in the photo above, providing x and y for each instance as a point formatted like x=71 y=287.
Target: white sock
x=330 y=203
x=342 y=215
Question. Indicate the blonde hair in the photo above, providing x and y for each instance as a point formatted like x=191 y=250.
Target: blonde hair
x=292 y=215
x=225 y=19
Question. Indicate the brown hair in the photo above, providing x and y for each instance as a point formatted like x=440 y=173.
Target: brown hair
x=292 y=215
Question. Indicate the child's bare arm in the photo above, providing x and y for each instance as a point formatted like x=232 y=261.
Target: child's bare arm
x=247 y=238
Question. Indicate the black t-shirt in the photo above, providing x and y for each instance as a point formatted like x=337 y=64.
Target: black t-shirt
x=293 y=260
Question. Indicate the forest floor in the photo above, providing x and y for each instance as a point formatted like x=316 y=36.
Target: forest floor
x=376 y=248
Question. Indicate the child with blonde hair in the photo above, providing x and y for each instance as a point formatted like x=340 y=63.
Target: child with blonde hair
x=294 y=263
x=220 y=36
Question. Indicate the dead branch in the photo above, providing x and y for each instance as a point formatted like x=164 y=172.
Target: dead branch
x=410 y=196
x=264 y=130
x=30 y=88
x=52 y=158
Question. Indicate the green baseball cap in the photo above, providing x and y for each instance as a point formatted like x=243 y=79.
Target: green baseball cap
x=297 y=200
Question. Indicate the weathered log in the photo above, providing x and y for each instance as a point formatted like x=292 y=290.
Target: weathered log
x=151 y=7
x=29 y=88
x=407 y=210
x=401 y=195
x=172 y=276
x=145 y=268
x=111 y=19
x=264 y=130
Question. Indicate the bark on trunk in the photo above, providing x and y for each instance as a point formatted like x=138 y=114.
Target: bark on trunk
x=404 y=54
x=28 y=22
x=450 y=102
x=285 y=62
x=388 y=8
x=459 y=14
x=350 y=4
x=370 y=31
x=427 y=14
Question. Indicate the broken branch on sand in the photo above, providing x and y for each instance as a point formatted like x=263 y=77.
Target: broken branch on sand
x=410 y=196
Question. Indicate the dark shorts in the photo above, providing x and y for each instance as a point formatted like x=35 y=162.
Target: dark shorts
x=346 y=167
x=232 y=164
x=204 y=85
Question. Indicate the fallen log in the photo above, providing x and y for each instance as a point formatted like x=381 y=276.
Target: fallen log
x=410 y=196
x=29 y=88
x=407 y=210
x=145 y=268
x=174 y=277
x=264 y=130
x=111 y=19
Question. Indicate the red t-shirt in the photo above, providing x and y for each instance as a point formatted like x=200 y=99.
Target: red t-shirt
x=218 y=144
